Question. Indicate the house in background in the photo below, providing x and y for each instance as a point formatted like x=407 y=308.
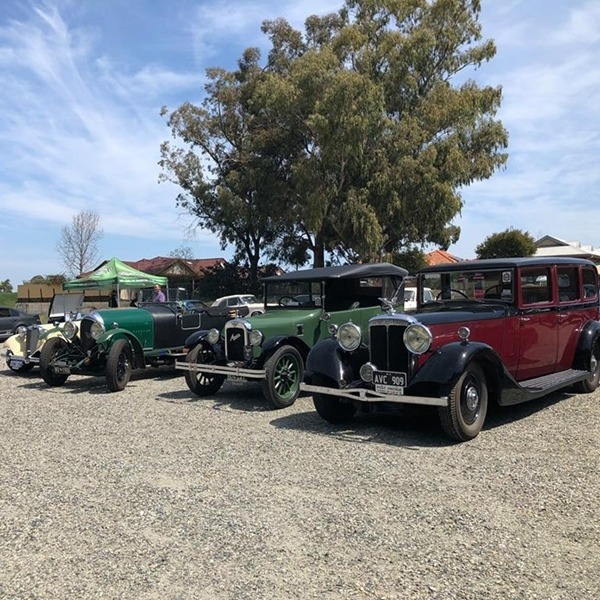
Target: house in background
x=441 y=257
x=181 y=272
x=553 y=246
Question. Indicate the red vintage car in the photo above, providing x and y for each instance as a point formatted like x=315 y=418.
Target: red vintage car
x=503 y=331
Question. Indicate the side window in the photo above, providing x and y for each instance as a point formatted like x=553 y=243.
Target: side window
x=536 y=285
x=4 y=312
x=590 y=285
x=568 y=284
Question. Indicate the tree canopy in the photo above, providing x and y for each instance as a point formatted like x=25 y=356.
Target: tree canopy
x=355 y=137
x=507 y=244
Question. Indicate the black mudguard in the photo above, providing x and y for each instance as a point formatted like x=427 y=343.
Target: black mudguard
x=328 y=359
x=588 y=338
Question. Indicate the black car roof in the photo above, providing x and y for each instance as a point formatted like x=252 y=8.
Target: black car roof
x=505 y=263
x=343 y=271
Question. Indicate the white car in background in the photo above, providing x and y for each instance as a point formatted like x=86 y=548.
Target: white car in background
x=410 y=297
x=241 y=301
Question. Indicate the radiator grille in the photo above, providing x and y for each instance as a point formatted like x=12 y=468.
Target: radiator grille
x=388 y=352
x=87 y=341
x=235 y=340
x=33 y=337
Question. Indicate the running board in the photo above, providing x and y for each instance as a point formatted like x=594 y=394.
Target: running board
x=548 y=383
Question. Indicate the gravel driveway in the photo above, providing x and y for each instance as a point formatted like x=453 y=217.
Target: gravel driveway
x=153 y=493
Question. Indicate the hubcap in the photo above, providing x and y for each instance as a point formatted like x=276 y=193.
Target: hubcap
x=472 y=398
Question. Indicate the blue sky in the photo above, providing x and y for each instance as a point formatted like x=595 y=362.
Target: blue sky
x=83 y=81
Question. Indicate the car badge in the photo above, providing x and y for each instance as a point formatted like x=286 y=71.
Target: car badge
x=235 y=336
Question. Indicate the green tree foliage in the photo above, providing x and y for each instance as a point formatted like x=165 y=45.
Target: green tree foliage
x=508 y=243
x=355 y=138
x=6 y=286
x=411 y=259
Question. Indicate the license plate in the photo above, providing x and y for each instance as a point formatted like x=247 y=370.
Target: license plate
x=389 y=382
x=61 y=370
x=17 y=362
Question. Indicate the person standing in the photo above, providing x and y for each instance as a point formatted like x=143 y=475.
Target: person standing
x=159 y=295
x=113 y=301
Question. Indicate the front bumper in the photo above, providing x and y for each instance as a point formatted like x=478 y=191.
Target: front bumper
x=365 y=395
x=233 y=371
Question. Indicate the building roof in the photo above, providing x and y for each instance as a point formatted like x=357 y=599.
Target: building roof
x=553 y=246
x=441 y=257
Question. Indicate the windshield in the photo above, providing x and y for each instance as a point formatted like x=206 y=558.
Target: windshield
x=493 y=284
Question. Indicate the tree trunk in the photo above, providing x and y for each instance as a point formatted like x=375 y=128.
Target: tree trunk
x=319 y=251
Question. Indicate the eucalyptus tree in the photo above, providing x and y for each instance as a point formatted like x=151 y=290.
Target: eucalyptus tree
x=355 y=137
x=229 y=185
x=388 y=130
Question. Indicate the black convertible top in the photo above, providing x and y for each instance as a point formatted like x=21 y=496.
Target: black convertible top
x=343 y=271
x=505 y=263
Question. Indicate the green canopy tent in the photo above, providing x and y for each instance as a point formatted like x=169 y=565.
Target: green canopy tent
x=115 y=273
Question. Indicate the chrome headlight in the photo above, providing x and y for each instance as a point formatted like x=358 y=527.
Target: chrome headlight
x=97 y=329
x=212 y=337
x=70 y=330
x=21 y=331
x=349 y=336
x=256 y=337
x=417 y=338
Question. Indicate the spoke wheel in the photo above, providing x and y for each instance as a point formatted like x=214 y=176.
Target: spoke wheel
x=283 y=374
x=202 y=384
x=465 y=414
x=118 y=365
x=52 y=350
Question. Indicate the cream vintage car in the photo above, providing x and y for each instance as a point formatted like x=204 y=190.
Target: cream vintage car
x=23 y=348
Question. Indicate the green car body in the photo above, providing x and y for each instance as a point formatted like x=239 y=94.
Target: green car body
x=117 y=340
x=272 y=347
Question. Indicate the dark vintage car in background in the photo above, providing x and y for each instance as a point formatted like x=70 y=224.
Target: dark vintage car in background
x=115 y=341
x=502 y=331
x=11 y=319
x=301 y=308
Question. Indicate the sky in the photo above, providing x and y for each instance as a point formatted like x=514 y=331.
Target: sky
x=82 y=83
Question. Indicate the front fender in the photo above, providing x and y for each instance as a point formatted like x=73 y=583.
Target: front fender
x=328 y=359
x=105 y=341
x=199 y=337
x=274 y=343
x=445 y=366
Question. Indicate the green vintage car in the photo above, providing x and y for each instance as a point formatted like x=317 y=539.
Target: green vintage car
x=115 y=341
x=301 y=308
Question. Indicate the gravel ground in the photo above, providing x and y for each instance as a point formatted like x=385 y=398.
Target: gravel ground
x=152 y=493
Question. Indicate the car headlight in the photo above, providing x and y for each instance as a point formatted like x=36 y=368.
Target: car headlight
x=21 y=331
x=255 y=336
x=349 y=336
x=417 y=338
x=213 y=336
x=70 y=330
x=96 y=330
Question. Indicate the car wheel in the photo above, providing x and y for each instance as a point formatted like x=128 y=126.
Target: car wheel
x=331 y=408
x=591 y=383
x=18 y=366
x=465 y=414
x=118 y=365
x=51 y=350
x=283 y=374
x=202 y=384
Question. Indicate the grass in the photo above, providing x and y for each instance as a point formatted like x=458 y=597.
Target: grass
x=8 y=298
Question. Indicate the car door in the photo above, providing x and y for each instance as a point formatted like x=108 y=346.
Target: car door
x=571 y=314
x=538 y=323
